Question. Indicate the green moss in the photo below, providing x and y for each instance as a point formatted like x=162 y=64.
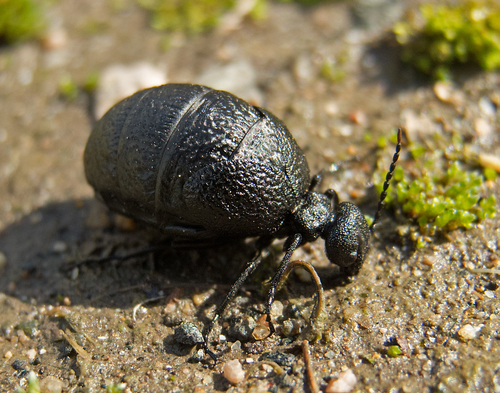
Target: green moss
x=310 y=2
x=438 y=191
x=91 y=81
x=68 y=88
x=20 y=20
x=443 y=35
x=192 y=16
x=115 y=388
x=33 y=386
x=394 y=351
x=332 y=72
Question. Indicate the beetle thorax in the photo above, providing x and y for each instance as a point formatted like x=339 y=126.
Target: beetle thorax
x=312 y=216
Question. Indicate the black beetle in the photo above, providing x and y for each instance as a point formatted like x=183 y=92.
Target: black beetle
x=202 y=165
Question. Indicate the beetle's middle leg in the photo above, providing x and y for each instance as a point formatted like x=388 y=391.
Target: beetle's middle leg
x=250 y=268
x=294 y=242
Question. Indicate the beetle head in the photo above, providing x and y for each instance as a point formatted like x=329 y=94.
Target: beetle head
x=347 y=238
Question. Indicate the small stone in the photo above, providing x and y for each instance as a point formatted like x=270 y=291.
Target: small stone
x=233 y=371
x=357 y=116
x=188 y=334
x=446 y=92
x=276 y=309
x=51 y=384
x=200 y=298
x=303 y=69
x=238 y=77
x=262 y=330
x=242 y=330
x=119 y=81
x=31 y=354
x=483 y=127
x=55 y=38
x=19 y=365
x=343 y=384
x=281 y=358
x=23 y=338
x=468 y=332
x=489 y=161
x=124 y=223
x=59 y=246
x=487 y=107
x=7 y=355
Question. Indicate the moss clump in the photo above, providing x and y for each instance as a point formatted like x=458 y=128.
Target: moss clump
x=438 y=192
x=442 y=35
x=20 y=20
x=193 y=16
x=33 y=386
x=394 y=351
x=115 y=388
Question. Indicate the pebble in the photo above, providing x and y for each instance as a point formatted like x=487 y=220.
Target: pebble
x=119 y=81
x=303 y=69
x=238 y=77
x=489 y=161
x=19 y=365
x=54 y=38
x=417 y=124
x=188 y=334
x=483 y=127
x=233 y=371
x=243 y=329
x=7 y=355
x=262 y=330
x=51 y=384
x=446 y=92
x=343 y=384
x=23 y=338
x=59 y=247
x=357 y=116
x=468 y=332
x=281 y=358
x=201 y=297
x=31 y=354
x=487 y=107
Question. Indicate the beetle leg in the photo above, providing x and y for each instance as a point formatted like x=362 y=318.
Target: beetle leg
x=316 y=181
x=317 y=315
x=294 y=242
x=250 y=268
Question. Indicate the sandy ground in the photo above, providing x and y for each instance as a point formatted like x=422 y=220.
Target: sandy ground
x=76 y=328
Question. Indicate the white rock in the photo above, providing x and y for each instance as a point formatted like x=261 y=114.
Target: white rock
x=51 y=384
x=233 y=371
x=119 y=81
x=238 y=77
x=31 y=354
x=468 y=332
x=343 y=384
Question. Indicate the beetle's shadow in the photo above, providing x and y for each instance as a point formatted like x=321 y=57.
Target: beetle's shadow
x=41 y=247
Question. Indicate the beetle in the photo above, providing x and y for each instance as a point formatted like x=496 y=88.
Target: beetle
x=203 y=165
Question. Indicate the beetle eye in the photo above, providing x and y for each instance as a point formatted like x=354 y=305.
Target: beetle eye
x=346 y=239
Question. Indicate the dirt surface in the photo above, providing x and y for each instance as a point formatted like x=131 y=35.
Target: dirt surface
x=77 y=325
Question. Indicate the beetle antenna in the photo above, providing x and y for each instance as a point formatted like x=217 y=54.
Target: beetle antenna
x=388 y=178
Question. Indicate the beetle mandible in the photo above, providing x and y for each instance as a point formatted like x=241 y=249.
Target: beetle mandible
x=201 y=164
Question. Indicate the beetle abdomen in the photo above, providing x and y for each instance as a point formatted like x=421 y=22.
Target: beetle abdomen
x=189 y=155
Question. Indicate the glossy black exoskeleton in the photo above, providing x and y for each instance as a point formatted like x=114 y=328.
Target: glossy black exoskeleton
x=203 y=165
